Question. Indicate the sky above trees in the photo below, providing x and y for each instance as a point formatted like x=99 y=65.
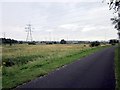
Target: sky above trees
x=57 y=19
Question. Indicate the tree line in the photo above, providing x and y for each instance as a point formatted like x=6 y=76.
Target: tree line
x=9 y=41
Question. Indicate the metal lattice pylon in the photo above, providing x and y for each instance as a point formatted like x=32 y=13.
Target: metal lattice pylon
x=29 y=32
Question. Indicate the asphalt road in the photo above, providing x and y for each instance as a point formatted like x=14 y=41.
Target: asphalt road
x=94 y=71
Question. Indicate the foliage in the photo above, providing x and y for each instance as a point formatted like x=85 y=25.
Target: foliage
x=113 y=41
x=8 y=41
x=117 y=66
x=115 y=5
x=62 y=41
x=32 y=43
x=96 y=43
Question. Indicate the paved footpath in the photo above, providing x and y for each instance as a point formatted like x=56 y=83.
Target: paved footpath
x=94 y=71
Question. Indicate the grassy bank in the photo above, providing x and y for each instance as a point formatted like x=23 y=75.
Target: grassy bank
x=0 y=68
x=31 y=61
x=117 y=67
x=0 y=78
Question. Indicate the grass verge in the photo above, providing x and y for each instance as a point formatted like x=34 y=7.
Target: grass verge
x=19 y=74
x=117 y=67
x=0 y=78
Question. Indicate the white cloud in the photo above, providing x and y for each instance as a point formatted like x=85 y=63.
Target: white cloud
x=88 y=28
x=69 y=26
x=49 y=30
x=73 y=20
x=50 y=1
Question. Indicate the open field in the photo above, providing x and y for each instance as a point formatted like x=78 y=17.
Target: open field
x=117 y=66
x=31 y=61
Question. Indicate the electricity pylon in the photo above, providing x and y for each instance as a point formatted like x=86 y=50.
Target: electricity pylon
x=4 y=35
x=29 y=32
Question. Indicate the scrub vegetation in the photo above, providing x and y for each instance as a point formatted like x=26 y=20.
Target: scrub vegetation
x=117 y=67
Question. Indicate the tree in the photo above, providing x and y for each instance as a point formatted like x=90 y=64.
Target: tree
x=8 y=41
x=113 y=41
x=95 y=43
x=115 y=5
x=63 y=41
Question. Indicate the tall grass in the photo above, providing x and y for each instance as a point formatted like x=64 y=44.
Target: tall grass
x=117 y=66
x=0 y=77
x=31 y=61
x=0 y=67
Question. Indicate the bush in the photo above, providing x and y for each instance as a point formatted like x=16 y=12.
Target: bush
x=63 y=41
x=113 y=41
x=96 y=43
x=31 y=43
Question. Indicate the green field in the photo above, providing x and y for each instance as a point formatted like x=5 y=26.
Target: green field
x=117 y=67
x=31 y=61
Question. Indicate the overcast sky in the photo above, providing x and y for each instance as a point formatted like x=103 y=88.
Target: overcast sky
x=57 y=19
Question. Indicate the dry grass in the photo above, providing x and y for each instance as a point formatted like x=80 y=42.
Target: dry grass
x=18 y=50
x=39 y=51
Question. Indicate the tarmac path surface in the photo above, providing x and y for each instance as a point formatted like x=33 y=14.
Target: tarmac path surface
x=93 y=71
